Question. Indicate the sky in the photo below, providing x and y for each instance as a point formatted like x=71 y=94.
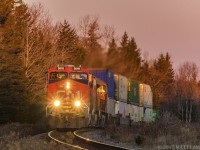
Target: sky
x=158 y=26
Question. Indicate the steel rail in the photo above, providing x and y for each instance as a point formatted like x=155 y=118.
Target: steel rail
x=61 y=142
x=97 y=142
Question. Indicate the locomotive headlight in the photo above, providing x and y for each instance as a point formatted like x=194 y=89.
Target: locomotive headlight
x=77 y=103
x=56 y=103
x=68 y=85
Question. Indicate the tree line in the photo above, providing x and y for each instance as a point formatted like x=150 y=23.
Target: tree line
x=30 y=44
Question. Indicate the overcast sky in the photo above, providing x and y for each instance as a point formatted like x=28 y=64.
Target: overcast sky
x=157 y=25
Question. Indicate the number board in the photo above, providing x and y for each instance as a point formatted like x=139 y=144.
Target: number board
x=77 y=68
x=61 y=68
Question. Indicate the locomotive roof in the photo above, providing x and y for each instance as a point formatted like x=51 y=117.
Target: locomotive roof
x=68 y=68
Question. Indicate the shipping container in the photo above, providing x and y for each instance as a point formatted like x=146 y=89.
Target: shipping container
x=146 y=97
x=116 y=107
x=148 y=114
x=110 y=107
x=123 y=109
x=107 y=76
x=133 y=92
x=134 y=112
x=141 y=112
x=121 y=85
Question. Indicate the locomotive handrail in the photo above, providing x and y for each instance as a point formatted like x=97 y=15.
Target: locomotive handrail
x=47 y=108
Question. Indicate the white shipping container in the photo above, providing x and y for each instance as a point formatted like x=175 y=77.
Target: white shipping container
x=148 y=114
x=123 y=109
x=116 y=107
x=110 y=106
x=146 y=96
x=134 y=112
x=121 y=88
x=141 y=110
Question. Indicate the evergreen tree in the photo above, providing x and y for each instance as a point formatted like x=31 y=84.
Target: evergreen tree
x=112 y=48
x=94 y=57
x=162 y=78
x=130 y=57
x=144 y=72
x=93 y=37
x=68 y=48
x=112 y=58
x=13 y=16
x=124 y=41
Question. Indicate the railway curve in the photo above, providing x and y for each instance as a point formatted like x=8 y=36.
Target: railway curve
x=98 y=144
x=81 y=142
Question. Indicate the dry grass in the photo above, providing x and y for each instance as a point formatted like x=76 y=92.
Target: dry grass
x=167 y=131
x=13 y=141
x=16 y=136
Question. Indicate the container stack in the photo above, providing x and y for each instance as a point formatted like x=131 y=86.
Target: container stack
x=127 y=98
x=121 y=83
x=133 y=100
x=108 y=77
x=146 y=102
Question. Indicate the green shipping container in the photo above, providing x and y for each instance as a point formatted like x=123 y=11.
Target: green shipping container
x=133 y=92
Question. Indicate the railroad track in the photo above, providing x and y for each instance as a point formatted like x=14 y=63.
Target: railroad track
x=53 y=135
x=77 y=141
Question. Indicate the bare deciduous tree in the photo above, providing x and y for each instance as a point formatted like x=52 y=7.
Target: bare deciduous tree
x=108 y=33
x=84 y=25
x=186 y=89
x=38 y=43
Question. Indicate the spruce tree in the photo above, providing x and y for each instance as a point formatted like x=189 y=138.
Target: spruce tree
x=112 y=58
x=124 y=41
x=130 y=57
x=112 y=48
x=93 y=37
x=162 y=78
x=94 y=56
x=69 y=50
x=13 y=17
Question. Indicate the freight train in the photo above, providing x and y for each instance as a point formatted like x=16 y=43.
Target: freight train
x=80 y=97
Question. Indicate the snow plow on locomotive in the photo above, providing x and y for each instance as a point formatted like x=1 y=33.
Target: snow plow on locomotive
x=75 y=98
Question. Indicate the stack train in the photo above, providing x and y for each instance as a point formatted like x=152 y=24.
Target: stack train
x=80 y=97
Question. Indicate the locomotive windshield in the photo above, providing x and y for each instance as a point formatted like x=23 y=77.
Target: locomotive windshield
x=79 y=76
x=57 y=76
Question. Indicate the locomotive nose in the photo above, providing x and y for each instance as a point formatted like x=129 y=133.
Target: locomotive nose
x=68 y=85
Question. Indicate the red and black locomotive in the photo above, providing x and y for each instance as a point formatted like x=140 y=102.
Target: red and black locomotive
x=75 y=98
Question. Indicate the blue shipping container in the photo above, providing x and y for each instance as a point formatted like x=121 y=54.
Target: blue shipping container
x=108 y=77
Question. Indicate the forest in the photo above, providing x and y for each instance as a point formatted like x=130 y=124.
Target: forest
x=30 y=44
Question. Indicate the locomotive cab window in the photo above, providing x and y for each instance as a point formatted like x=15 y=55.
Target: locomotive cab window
x=57 y=76
x=79 y=76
